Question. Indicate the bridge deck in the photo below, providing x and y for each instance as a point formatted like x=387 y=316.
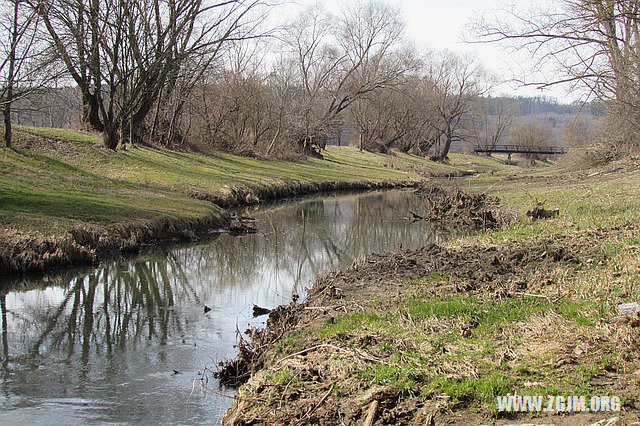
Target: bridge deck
x=514 y=149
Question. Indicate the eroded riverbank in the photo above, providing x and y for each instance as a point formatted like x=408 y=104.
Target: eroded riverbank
x=21 y=254
x=65 y=200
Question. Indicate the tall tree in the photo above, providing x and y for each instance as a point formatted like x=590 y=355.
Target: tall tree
x=592 y=45
x=457 y=81
x=126 y=55
x=24 y=61
x=340 y=61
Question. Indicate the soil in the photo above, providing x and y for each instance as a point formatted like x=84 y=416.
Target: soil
x=25 y=254
x=243 y=196
x=323 y=391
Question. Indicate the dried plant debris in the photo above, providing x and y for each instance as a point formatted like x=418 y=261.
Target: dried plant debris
x=385 y=339
x=85 y=246
x=452 y=206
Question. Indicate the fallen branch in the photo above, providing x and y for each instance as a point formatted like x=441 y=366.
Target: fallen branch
x=324 y=398
x=371 y=413
x=365 y=357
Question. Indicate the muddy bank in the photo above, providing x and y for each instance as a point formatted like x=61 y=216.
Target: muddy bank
x=24 y=254
x=20 y=254
x=243 y=196
x=388 y=337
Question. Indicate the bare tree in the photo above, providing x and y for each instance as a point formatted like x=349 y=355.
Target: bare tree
x=24 y=62
x=457 y=81
x=125 y=55
x=489 y=122
x=582 y=130
x=595 y=46
x=532 y=132
x=340 y=61
x=397 y=117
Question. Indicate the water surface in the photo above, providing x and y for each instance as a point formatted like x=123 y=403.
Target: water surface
x=129 y=341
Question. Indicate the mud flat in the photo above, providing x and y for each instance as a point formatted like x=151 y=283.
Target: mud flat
x=433 y=336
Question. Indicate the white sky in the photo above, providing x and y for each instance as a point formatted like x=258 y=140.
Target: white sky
x=442 y=24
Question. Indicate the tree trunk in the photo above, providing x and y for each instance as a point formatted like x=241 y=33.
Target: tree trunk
x=8 y=131
x=447 y=146
x=6 y=110
x=111 y=139
x=91 y=112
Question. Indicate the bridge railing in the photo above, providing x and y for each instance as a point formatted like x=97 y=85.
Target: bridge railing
x=516 y=149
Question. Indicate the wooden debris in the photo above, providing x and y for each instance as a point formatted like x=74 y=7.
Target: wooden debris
x=539 y=212
x=372 y=412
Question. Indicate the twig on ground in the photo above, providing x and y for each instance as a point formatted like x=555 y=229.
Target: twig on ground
x=539 y=296
x=322 y=400
x=371 y=413
x=365 y=356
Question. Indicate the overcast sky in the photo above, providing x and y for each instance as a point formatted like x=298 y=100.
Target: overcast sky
x=444 y=24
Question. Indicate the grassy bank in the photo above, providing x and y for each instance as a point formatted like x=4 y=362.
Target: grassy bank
x=60 y=189
x=433 y=336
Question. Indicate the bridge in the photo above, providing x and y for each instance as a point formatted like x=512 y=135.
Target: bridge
x=516 y=149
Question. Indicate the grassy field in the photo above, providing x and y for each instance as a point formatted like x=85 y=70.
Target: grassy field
x=439 y=333
x=55 y=180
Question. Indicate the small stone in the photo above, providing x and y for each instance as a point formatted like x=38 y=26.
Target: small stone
x=629 y=308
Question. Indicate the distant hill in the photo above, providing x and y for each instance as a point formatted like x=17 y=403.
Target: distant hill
x=542 y=105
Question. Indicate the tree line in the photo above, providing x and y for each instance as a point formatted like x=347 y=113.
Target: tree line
x=218 y=75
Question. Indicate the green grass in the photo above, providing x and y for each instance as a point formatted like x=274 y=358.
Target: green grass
x=408 y=368
x=58 y=179
x=484 y=389
x=484 y=313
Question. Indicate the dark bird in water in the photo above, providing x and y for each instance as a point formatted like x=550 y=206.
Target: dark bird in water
x=206 y=309
x=258 y=311
x=176 y=372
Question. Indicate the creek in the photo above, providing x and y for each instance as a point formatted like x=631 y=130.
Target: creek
x=130 y=342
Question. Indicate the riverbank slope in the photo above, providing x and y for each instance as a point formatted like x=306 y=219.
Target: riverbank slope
x=65 y=200
x=433 y=336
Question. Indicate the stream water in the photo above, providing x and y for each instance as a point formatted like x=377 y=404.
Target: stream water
x=130 y=342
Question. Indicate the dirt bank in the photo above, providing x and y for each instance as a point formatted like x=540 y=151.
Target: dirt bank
x=21 y=254
x=242 y=196
x=432 y=336
x=27 y=254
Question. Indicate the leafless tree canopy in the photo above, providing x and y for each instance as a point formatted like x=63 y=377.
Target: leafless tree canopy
x=593 y=44
x=26 y=63
x=128 y=56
